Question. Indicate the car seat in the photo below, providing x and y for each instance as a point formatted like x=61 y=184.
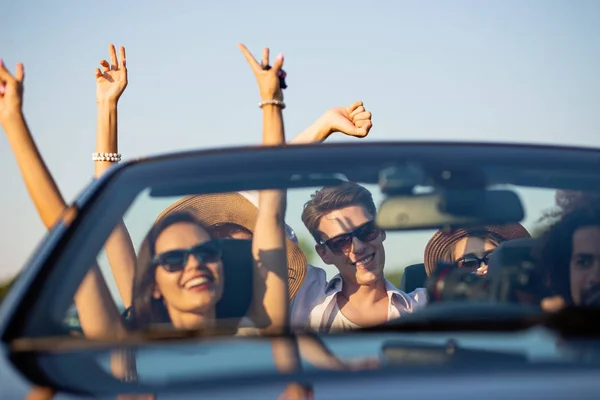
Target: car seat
x=414 y=277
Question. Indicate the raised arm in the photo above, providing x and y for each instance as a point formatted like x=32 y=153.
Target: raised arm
x=111 y=82
x=92 y=297
x=353 y=120
x=41 y=186
x=270 y=295
x=268 y=244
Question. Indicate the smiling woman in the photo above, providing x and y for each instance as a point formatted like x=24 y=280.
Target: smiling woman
x=191 y=276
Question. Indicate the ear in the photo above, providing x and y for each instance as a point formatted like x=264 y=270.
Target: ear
x=324 y=253
x=156 y=293
x=383 y=236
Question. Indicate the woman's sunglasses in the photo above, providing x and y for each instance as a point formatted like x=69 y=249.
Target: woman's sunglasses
x=472 y=262
x=342 y=243
x=176 y=260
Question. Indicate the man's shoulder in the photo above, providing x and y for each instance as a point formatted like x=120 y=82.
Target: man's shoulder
x=310 y=295
x=314 y=281
x=315 y=273
x=416 y=297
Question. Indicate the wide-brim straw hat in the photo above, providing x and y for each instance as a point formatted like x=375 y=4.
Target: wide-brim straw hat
x=437 y=247
x=241 y=208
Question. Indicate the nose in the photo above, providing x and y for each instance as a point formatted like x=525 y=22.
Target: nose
x=193 y=263
x=357 y=245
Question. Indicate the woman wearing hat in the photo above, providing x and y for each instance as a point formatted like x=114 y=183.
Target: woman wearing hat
x=470 y=247
x=233 y=216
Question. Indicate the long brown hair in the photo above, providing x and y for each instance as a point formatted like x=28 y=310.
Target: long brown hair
x=145 y=309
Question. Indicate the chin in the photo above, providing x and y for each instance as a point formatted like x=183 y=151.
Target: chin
x=368 y=278
x=203 y=301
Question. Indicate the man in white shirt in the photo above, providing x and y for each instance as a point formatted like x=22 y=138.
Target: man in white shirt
x=341 y=220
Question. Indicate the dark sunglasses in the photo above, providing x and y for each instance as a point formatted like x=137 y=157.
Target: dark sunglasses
x=472 y=262
x=176 y=260
x=342 y=243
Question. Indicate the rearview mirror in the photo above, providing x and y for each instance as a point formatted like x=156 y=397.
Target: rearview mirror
x=450 y=209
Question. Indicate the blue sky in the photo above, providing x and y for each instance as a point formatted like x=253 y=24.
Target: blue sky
x=508 y=71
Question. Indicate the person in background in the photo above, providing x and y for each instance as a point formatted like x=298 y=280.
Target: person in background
x=570 y=252
x=469 y=248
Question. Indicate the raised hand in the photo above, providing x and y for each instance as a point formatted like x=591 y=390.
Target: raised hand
x=352 y=121
x=11 y=92
x=268 y=79
x=112 y=80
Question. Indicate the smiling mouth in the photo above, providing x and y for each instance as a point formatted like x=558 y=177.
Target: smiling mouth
x=200 y=282
x=365 y=261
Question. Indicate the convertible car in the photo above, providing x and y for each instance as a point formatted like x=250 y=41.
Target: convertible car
x=479 y=334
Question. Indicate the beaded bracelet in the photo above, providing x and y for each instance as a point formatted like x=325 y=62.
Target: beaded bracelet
x=277 y=103
x=112 y=157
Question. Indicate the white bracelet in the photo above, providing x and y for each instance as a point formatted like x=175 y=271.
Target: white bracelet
x=112 y=157
x=277 y=103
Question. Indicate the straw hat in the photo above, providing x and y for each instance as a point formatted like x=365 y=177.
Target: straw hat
x=440 y=242
x=241 y=208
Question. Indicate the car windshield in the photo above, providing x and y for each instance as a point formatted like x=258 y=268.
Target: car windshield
x=174 y=249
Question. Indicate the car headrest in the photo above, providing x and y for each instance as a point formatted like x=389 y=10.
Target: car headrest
x=511 y=253
x=414 y=277
x=238 y=274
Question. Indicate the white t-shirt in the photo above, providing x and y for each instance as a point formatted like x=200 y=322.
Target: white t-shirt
x=315 y=305
x=339 y=322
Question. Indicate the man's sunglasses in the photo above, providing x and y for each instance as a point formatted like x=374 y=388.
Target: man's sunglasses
x=342 y=243
x=176 y=260
x=472 y=262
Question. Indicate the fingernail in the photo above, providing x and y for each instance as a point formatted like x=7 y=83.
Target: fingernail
x=280 y=56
